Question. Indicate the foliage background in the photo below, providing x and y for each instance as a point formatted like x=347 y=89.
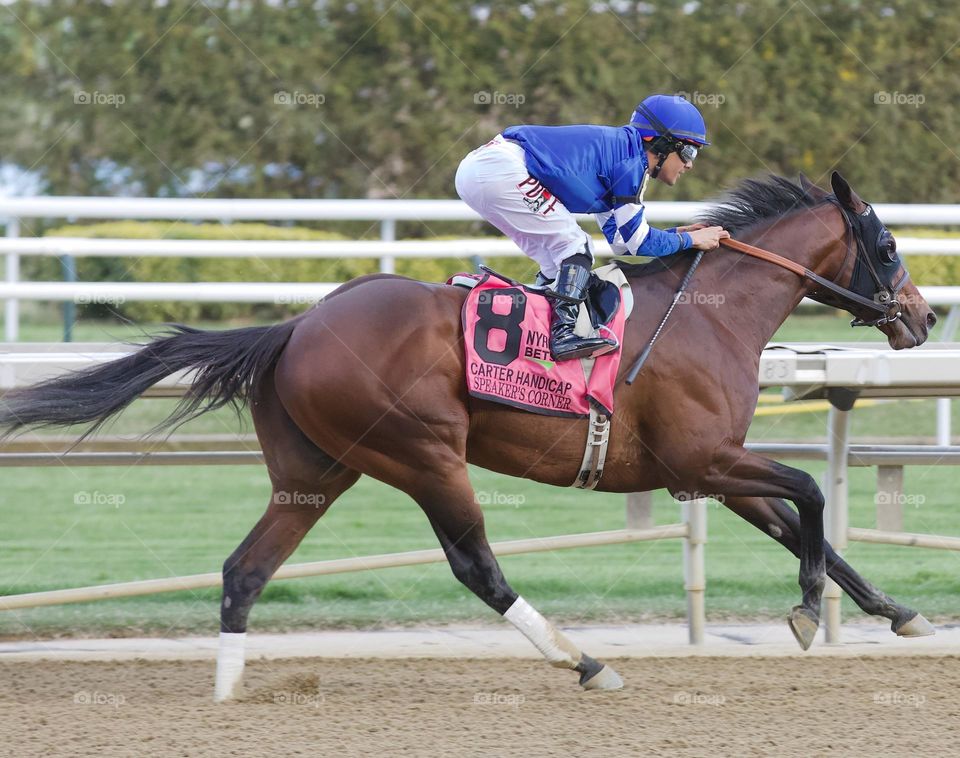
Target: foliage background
x=399 y=80
x=382 y=98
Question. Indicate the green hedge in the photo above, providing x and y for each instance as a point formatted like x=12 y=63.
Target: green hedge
x=932 y=269
x=381 y=99
x=163 y=269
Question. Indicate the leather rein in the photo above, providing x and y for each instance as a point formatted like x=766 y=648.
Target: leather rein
x=886 y=302
x=888 y=307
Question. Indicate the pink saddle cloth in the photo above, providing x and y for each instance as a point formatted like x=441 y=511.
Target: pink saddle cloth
x=506 y=329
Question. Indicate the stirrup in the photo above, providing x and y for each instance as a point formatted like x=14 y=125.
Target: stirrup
x=584 y=350
x=611 y=335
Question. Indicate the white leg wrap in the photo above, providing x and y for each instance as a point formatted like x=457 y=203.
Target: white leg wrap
x=229 y=665
x=556 y=648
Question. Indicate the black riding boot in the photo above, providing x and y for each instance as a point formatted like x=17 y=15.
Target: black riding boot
x=565 y=295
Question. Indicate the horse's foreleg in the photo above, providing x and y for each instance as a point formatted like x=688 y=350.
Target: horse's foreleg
x=458 y=522
x=291 y=514
x=735 y=471
x=776 y=518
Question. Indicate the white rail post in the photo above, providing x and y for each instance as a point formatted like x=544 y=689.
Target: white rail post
x=388 y=233
x=943 y=421
x=639 y=510
x=943 y=404
x=835 y=515
x=890 y=498
x=694 y=570
x=11 y=311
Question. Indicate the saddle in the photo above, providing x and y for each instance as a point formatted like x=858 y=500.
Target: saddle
x=506 y=327
x=604 y=292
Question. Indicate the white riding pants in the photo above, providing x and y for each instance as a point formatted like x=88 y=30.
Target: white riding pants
x=493 y=180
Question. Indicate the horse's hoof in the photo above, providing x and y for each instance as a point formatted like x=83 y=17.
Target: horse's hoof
x=804 y=625
x=605 y=679
x=917 y=626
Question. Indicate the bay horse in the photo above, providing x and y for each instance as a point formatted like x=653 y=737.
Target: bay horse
x=372 y=381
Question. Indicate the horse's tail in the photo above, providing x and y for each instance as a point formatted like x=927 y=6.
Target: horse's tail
x=228 y=366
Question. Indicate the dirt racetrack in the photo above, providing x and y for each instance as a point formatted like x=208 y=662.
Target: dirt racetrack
x=692 y=706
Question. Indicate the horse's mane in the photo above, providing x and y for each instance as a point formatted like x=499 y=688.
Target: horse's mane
x=749 y=203
x=756 y=200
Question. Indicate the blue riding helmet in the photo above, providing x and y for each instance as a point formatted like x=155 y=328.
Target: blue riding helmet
x=675 y=114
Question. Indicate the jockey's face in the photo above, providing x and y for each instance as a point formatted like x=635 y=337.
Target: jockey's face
x=672 y=167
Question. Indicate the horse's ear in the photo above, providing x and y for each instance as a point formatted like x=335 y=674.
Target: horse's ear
x=810 y=188
x=845 y=194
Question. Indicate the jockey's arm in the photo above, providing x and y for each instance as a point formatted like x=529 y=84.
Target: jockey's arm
x=628 y=233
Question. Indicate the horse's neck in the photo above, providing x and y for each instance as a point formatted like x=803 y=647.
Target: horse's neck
x=759 y=296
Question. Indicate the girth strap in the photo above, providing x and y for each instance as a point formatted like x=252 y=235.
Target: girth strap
x=595 y=451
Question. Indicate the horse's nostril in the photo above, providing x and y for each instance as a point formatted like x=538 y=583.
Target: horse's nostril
x=931 y=319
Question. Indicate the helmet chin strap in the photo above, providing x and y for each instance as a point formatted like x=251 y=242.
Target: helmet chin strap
x=658 y=143
x=656 y=169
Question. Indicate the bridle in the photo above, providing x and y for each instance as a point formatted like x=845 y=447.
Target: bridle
x=883 y=292
x=874 y=268
x=861 y=226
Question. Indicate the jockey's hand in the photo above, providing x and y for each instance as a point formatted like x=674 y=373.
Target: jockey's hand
x=709 y=237
x=691 y=228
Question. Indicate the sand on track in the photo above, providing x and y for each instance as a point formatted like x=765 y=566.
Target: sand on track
x=692 y=706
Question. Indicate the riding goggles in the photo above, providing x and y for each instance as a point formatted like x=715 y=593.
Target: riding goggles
x=686 y=151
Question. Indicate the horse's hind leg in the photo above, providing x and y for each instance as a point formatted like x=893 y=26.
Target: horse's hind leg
x=291 y=514
x=399 y=414
x=458 y=522
x=777 y=519
x=305 y=481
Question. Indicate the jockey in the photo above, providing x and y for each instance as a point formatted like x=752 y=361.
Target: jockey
x=529 y=181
